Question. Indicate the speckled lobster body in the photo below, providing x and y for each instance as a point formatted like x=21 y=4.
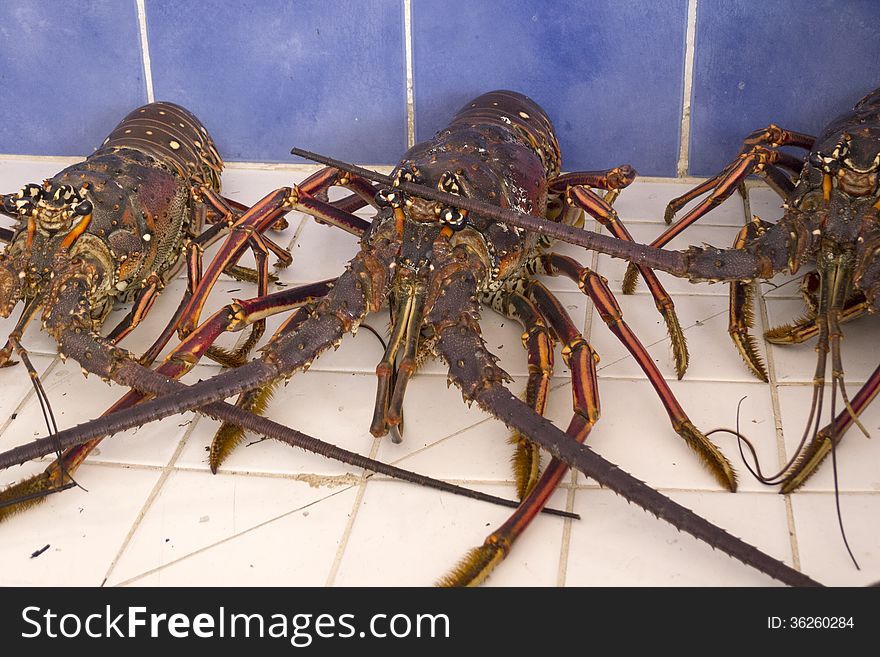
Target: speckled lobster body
x=138 y=187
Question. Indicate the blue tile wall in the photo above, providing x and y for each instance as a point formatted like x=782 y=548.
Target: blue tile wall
x=609 y=74
x=265 y=76
x=787 y=62
x=331 y=76
x=68 y=73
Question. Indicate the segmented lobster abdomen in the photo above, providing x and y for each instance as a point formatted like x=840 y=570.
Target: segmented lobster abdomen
x=172 y=135
x=519 y=115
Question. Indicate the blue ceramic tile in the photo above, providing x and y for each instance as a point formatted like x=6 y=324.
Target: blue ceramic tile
x=68 y=72
x=787 y=62
x=609 y=74
x=265 y=76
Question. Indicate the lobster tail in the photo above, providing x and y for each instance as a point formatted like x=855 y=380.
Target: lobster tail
x=521 y=115
x=172 y=135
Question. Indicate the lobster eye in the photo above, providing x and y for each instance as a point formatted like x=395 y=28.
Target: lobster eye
x=83 y=208
x=824 y=162
x=454 y=218
x=393 y=197
x=381 y=201
x=31 y=191
x=9 y=205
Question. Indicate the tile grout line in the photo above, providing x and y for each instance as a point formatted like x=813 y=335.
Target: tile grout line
x=777 y=409
x=687 y=92
x=227 y=539
x=355 y=509
x=145 y=49
x=167 y=469
x=410 y=84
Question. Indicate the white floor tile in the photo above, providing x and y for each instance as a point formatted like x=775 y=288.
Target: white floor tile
x=412 y=537
x=821 y=547
x=84 y=530
x=225 y=530
x=617 y=544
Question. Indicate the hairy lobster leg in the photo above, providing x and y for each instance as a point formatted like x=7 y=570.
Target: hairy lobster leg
x=831 y=435
x=741 y=311
x=803 y=329
x=597 y=289
x=538 y=342
x=600 y=209
x=472 y=368
x=476 y=566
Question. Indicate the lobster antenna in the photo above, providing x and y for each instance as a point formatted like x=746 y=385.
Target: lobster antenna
x=669 y=261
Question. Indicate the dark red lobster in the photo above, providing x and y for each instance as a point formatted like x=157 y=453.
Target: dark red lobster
x=447 y=237
x=831 y=222
x=116 y=228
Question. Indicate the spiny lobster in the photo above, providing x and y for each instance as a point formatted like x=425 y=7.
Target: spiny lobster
x=448 y=235
x=116 y=228
x=831 y=220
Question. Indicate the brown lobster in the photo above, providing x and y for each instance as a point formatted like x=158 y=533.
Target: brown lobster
x=832 y=221
x=448 y=235
x=116 y=228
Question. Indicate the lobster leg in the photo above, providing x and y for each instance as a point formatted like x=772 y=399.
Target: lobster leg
x=597 y=289
x=538 y=341
x=184 y=357
x=30 y=310
x=602 y=211
x=581 y=359
x=831 y=435
x=613 y=179
x=741 y=310
x=142 y=304
x=256 y=220
x=473 y=369
x=803 y=330
x=239 y=356
x=758 y=155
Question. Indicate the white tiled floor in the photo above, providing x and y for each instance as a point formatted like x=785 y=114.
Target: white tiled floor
x=154 y=515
